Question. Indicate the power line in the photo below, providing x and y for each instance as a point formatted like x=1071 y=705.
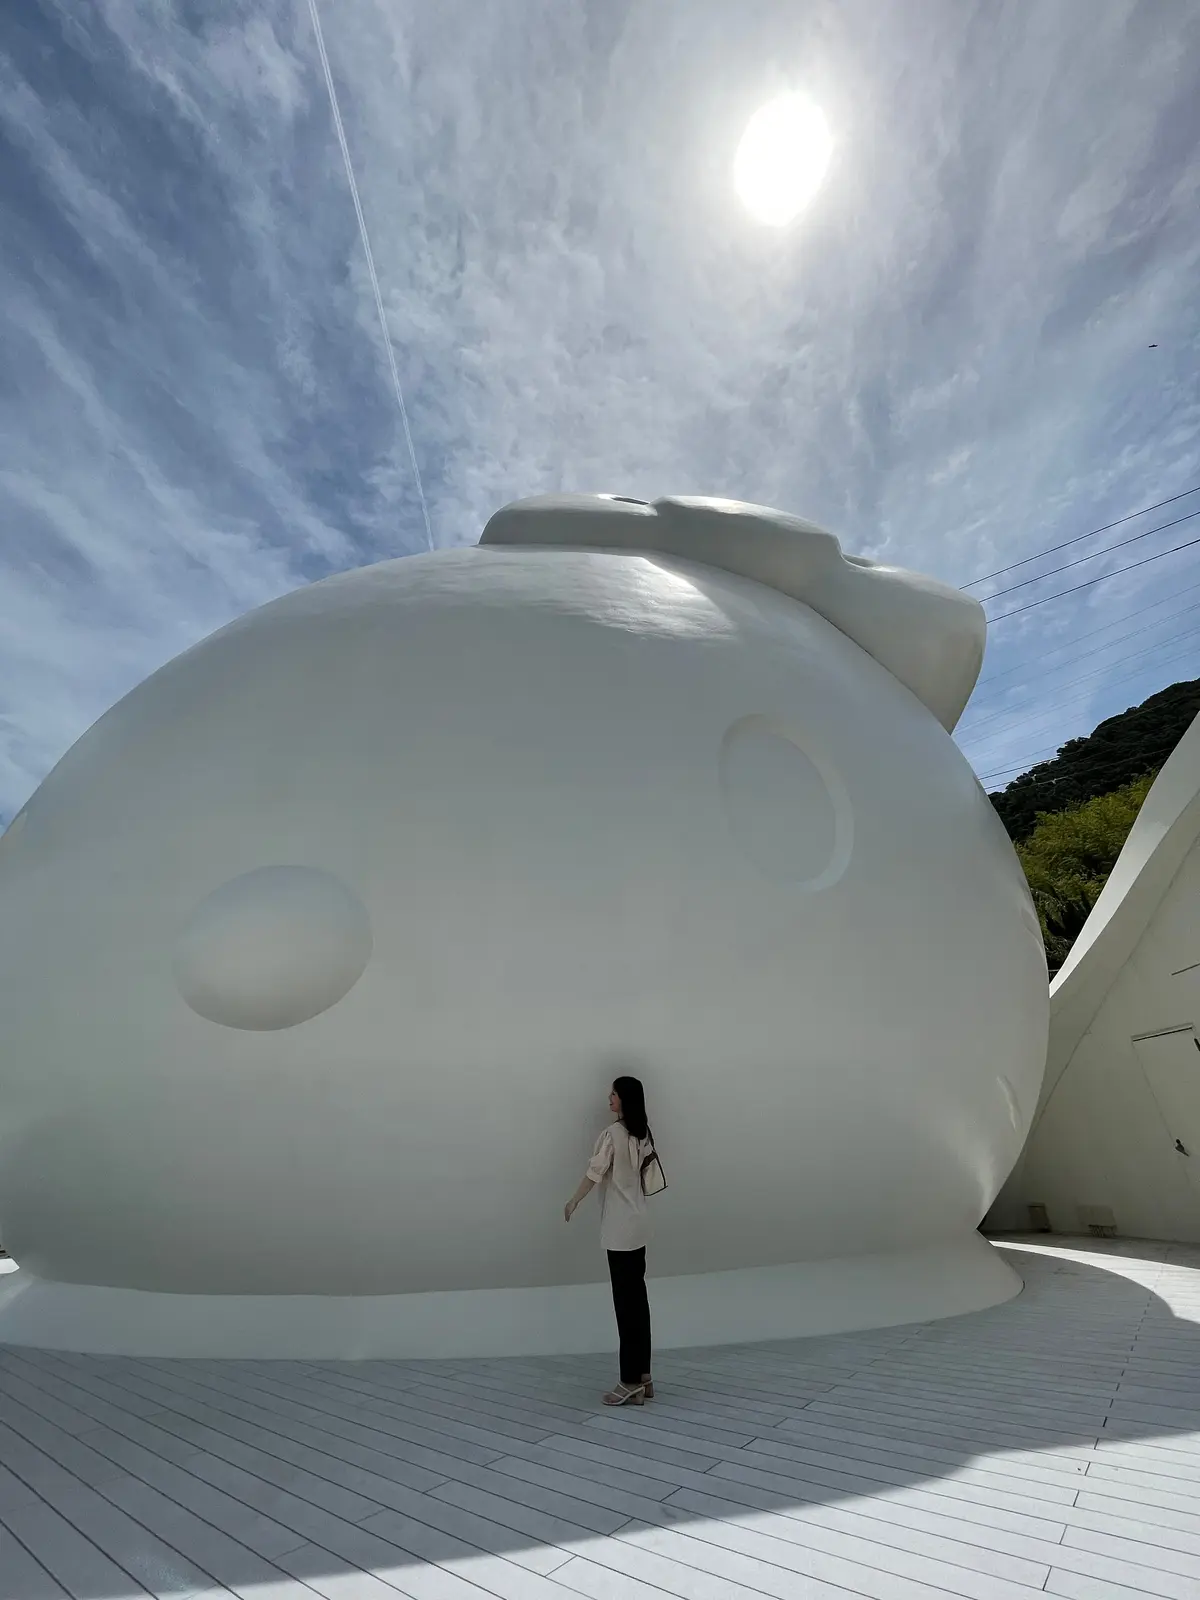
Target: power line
x=367 y=252
x=1109 y=666
x=1013 y=565
x=1016 y=713
x=1034 y=758
x=1059 y=705
x=1082 y=655
x=1006 y=716
x=1095 y=555
x=1022 y=766
x=1092 y=633
x=1115 y=573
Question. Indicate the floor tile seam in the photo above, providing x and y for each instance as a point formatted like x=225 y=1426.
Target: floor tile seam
x=198 y=1517
x=99 y=1548
x=946 y=1469
x=269 y=1433
x=124 y=1472
x=425 y=1421
x=273 y=1434
x=927 y=1486
x=31 y=1383
x=343 y=1564
x=453 y=1398
x=1115 y=1482
x=264 y=1428
x=958 y=1371
x=483 y=1398
x=587 y=1536
x=878 y=1565
x=745 y=1583
x=16 y=1538
x=971 y=1422
x=486 y=1417
x=791 y=1572
x=964 y=1530
x=377 y=1505
x=976 y=1400
x=147 y=1421
x=40 y=1448
x=216 y=1526
x=295 y=1493
x=561 y=1517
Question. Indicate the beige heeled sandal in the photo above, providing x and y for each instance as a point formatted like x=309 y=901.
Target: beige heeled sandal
x=626 y=1394
x=648 y=1386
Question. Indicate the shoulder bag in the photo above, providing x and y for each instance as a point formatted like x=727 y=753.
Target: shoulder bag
x=654 y=1179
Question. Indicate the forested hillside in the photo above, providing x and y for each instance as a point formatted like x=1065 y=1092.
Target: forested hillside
x=1069 y=817
x=1124 y=748
x=1068 y=857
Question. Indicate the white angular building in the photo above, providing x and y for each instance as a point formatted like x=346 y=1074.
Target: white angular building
x=1116 y=1140
x=319 y=952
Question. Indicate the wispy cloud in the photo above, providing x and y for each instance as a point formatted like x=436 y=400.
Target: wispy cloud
x=945 y=361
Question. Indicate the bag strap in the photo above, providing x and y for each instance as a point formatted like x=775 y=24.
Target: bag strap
x=649 y=1161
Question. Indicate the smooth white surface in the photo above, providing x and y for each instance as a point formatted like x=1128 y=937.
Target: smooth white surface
x=814 y=1297
x=782 y=158
x=602 y=812
x=925 y=633
x=1114 y=1100
x=1045 y=1447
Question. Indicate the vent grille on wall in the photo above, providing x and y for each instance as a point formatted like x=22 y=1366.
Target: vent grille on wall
x=1099 y=1221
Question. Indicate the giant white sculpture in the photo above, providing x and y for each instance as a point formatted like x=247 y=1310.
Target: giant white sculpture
x=319 y=951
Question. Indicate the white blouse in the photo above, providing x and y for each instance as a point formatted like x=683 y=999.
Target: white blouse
x=616 y=1165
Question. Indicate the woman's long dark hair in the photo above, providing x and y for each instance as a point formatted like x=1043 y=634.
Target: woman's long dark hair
x=632 y=1096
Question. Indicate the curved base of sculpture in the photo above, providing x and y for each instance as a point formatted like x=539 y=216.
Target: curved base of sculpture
x=805 y=1299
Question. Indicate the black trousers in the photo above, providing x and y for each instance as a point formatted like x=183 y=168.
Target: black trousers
x=627 y=1269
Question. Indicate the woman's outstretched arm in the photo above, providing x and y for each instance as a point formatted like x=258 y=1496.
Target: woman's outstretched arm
x=585 y=1188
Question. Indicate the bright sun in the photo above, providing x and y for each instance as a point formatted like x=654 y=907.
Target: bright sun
x=782 y=158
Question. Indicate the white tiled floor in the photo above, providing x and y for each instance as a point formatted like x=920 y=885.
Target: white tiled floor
x=1051 y=1444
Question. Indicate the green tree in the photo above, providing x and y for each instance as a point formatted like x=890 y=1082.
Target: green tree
x=1118 y=751
x=1068 y=857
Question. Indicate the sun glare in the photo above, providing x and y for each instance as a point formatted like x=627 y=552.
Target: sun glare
x=782 y=159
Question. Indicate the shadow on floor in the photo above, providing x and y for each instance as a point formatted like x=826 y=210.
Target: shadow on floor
x=1007 y=1443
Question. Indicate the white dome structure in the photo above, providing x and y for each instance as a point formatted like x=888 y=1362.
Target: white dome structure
x=319 y=951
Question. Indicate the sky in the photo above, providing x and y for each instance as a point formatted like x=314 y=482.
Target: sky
x=944 y=360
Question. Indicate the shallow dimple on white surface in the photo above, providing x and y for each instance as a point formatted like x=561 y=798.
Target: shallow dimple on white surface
x=272 y=948
x=787 y=809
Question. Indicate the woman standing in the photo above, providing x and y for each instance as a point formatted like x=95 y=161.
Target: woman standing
x=616 y=1165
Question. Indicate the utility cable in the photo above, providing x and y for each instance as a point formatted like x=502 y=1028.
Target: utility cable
x=367 y=252
x=1082 y=655
x=1009 y=714
x=1091 y=582
x=1095 y=555
x=992 y=677
x=1089 y=693
x=1015 y=712
x=1022 y=766
x=1096 y=672
x=1054 y=548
